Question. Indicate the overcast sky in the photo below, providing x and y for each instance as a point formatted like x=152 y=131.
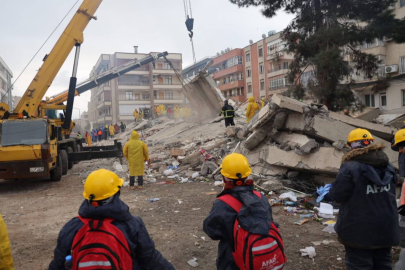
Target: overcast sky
x=153 y=25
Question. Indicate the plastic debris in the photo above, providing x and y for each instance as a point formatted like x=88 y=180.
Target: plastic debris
x=154 y=200
x=329 y=229
x=288 y=195
x=193 y=262
x=308 y=251
x=195 y=209
x=184 y=180
x=322 y=191
x=168 y=172
x=195 y=175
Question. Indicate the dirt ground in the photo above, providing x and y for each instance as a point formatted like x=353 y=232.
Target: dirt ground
x=35 y=211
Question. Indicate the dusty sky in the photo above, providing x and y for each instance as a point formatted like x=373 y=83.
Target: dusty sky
x=153 y=25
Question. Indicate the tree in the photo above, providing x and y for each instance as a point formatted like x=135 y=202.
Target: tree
x=325 y=36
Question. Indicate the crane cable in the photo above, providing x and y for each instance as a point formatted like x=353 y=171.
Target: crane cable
x=190 y=25
x=9 y=89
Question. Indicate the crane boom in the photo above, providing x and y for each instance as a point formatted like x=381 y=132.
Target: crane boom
x=105 y=77
x=53 y=62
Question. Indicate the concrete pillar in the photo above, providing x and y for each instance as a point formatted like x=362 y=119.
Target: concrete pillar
x=152 y=96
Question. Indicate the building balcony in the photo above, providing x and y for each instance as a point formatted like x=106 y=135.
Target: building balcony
x=164 y=71
x=228 y=71
x=167 y=86
x=103 y=103
x=102 y=89
x=232 y=85
x=276 y=72
x=3 y=75
x=280 y=55
x=104 y=118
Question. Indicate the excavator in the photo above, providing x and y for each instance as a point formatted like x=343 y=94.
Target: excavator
x=35 y=141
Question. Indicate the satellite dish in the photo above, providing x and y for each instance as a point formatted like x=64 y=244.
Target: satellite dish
x=218 y=54
x=263 y=36
x=251 y=42
x=228 y=49
x=222 y=52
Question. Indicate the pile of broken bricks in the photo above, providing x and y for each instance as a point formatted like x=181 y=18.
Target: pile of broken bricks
x=288 y=141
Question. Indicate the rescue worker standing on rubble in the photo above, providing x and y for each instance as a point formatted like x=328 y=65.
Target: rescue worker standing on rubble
x=368 y=224
x=255 y=216
x=229 y=113
x=6 y=261
x=136 y=152
x=251 y=109
x=102 y=203
x=112 y=130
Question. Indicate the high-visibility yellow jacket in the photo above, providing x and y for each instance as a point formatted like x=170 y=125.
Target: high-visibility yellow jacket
x=6 y=261
x=136 y=152
x=112 y=130
x=251 y=109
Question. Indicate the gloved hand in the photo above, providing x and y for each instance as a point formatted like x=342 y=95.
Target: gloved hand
x=401 y=210
x=220 y=114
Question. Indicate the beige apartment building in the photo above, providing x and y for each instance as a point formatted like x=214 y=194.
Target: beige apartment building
x=116 y=100
x=5 y=83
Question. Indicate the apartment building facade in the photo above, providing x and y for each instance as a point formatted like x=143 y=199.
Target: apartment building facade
x=5 y=83
x=392 y=57
x=153 y=84
x=228 y=72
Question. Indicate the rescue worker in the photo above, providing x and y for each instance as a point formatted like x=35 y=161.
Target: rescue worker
x=263 y=102
x=136 y=152
x=255 y=217
x=122 y=126
x=79 y=136
x=367 y=224
x=229 y=113
x=106 y=132
x=112 y=130
x=251 y=109
x=100 y=134
x=102 y=200
x=6 y=260
x=399 y=146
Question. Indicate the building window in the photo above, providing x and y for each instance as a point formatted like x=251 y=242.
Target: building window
x=166 y=66
x=145 y=96
x=402 y=3
x=169 y=94
x=249 y=88
x=403 y=97
x=224 y=81
x=129 y=95
x=260 y=52
x=261 y=68
x=370 y=101
x=383 y=100
x=137 y=97
x=285 y=65
x=278 y=83
x=262 y=85
x=248 y=57
x=230 y=78
x=168 y=79
x=249 y=73
x=240 y=77
x=279 y=66
x=161 y=95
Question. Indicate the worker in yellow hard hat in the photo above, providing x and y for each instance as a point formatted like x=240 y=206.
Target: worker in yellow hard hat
x=399 y=146
x=263 y=102
x=251 y=109
x=238 y=203
x=105 y=223
x=136 y=152
x=365 y=187
x=6 y=261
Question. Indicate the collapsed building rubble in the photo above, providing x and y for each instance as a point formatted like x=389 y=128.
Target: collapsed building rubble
x=307 y=140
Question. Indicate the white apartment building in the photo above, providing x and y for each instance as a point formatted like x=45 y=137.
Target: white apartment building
x=116 y=100
x=5 y=83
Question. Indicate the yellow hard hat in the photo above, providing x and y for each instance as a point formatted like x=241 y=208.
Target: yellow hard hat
x=101 y=184
x=251 y=99
x=235 y=166
x=359 y=134
x=399 y=136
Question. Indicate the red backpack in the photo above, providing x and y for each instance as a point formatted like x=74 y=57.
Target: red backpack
x=100 y=245
x=254 y=251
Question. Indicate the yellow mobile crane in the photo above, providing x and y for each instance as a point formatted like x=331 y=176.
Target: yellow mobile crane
x=34 y=143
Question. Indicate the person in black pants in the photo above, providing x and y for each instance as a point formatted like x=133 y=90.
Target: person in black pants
x=229 y=113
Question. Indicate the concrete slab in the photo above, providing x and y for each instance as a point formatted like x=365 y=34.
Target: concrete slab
x=230 y=131
x=381 y=131
x=255 y=138
x=292 y=139
x=288 y=103
x=369 y=115
x=326 y=160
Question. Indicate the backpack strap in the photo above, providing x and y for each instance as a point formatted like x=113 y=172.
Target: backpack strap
x=235 y=203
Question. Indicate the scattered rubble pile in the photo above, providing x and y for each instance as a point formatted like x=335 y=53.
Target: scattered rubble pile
x=289 y=141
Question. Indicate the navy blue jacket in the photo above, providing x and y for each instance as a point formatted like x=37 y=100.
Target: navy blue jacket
x=140 y=243
x=255 y=217
x=365 y=189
